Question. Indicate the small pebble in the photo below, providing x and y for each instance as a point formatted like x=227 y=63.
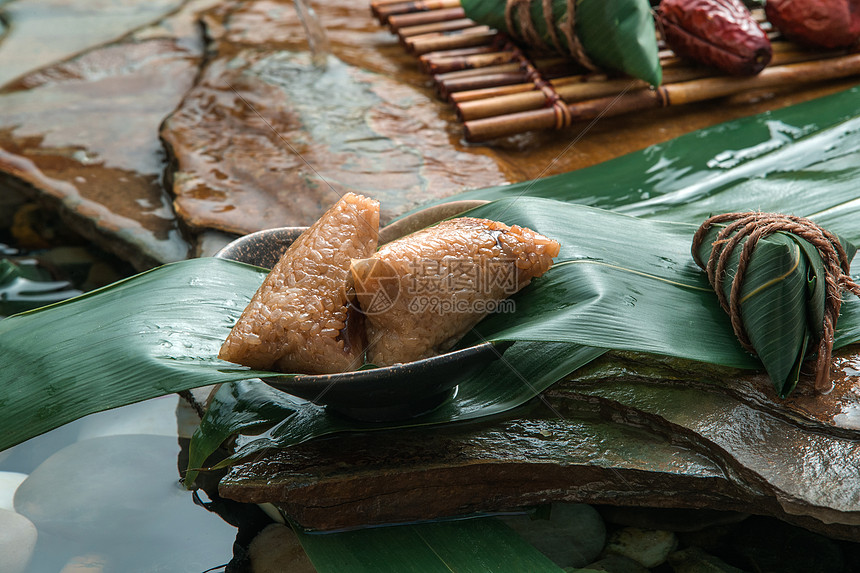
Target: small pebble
x=86 y=564
x=647 y=547
x=9 y=482
x=17 y=541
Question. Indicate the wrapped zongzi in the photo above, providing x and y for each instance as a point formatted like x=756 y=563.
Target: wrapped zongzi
x=617 y=35
x=301 y=318
x=423 y=292
x=780 y=279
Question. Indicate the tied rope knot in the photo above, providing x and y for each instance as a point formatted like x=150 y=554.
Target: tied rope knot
x=521 y=27
x=563 y=117
x=754 y=226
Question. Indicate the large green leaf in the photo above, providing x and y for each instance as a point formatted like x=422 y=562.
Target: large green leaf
x=803 y=158
x=153 y=334
x=464 y=546
x=159 y=332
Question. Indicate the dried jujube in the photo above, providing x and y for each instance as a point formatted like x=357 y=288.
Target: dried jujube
x=823 y=23
x=719 y=33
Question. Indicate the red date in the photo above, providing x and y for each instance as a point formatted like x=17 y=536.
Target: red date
x=718 y=33
x=823 y=23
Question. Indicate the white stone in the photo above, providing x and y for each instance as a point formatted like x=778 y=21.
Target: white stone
x=9 y=482
x=17 y=541
x=86 y=564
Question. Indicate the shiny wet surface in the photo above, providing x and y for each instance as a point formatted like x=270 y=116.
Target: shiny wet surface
x=255 y=136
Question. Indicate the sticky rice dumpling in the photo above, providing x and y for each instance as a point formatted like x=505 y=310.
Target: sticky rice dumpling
x=423 y=292
x=300 y=319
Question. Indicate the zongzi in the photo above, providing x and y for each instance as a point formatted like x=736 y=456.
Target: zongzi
x=618 y=35
x=422 y=293
x=780 y=278
x=301 y=318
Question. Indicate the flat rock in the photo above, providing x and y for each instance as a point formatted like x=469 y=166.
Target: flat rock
x=82 y=136
x=42 y=32
x=618 y=434
x=265 y=139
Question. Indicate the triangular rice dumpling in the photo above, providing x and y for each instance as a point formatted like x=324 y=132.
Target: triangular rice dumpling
x=425 y=291
x=300 y=319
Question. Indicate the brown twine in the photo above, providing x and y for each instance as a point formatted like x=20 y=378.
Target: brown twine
x=518 y=19
x=519 y=11
x=563 y=117
x=754 y=226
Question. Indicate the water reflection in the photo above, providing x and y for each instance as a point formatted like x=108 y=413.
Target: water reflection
x=103 y=493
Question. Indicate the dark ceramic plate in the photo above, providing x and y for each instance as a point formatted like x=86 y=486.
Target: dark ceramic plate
x=379 y=394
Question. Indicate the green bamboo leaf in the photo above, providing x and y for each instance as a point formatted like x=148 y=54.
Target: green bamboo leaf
x=464 y=546
x=236 y=407
x=25 y=287
x=156 y=333
x=801 y=159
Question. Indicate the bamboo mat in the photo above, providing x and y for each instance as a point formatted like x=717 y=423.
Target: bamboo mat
x=497 y=90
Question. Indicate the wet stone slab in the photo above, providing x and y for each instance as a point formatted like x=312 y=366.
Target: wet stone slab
x=82 y=136
x=36 y=33
x=261 y=138
x=628 y=430
x=267 y=139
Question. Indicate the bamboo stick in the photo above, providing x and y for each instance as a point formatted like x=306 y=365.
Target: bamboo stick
x=444 y=26
x=671 y=94
x=471 y=37
x=473 y=72
x=424 y=39
x=375 y=6
x=486 y=93
x=398 y=21
x=470 y=83
x=447 y=65
x=385 y=11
